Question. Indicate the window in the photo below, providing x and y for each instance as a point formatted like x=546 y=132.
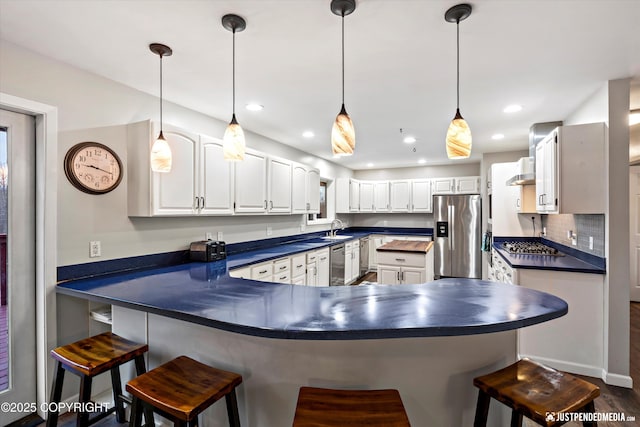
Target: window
x=327 y=203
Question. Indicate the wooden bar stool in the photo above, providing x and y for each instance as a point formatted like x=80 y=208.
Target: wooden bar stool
x=88 y=358
x=321 y=407
x=181 y=389
x=536 y=392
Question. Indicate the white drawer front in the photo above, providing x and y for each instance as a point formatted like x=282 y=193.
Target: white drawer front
x=402 y=258
x=282 y=277
x=281 y=265
x=262 y=271
x=298 y=265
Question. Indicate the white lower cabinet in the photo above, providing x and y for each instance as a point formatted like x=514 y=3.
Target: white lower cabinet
x=298 y=269
x=401 y=268
x=282 y=270
x=262 y=272
x=323 y=269
x=351 y=261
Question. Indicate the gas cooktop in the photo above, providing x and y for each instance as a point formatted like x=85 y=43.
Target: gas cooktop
x=530 y=248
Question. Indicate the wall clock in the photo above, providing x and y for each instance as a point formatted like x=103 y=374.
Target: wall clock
x=93 y=168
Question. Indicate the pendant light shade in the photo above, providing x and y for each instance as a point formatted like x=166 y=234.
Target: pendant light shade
x=459 y=133
x=160 y=150
x=233 y=143
x=343 y=135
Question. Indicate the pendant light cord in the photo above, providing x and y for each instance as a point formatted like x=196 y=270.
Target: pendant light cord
x=343 y=57
x=458 y=63
x=234 y=73
x=160 y=94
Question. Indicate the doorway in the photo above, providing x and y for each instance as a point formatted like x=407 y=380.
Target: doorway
x=634 y=231
x=17 y=264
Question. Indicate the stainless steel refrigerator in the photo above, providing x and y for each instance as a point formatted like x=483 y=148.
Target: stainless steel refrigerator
x=457 y=236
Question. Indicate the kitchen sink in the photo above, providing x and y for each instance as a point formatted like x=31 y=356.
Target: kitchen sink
x=337 y=237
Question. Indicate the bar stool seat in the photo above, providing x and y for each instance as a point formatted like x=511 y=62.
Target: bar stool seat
x=321 y=407
x=181 y=389
x=88 y=358
x=535 y=391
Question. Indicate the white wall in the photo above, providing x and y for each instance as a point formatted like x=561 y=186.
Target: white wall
x=610 y=104
x=92 y=108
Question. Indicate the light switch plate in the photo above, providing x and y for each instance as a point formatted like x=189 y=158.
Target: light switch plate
x=220 y=236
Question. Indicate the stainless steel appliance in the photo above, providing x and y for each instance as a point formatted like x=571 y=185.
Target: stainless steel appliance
x=337 y=265
x=457 y=237
x=364 y=256
x=530 y=248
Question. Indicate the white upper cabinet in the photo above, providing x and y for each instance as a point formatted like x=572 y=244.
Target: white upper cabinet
x=381 y=196
x=313 y=191
x=570 y=172
x=400 y=195
x=421 y=195
x=299 y=189
x=459 y=185
x=347 y=195
x=174 y=193
x=305 y=189
x=251 y=183
x=279 y=185
x=444 y=186
x=366 y=196
x=216 y=179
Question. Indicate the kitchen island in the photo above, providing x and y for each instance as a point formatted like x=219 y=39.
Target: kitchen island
x=427 y=340
x=405 y=262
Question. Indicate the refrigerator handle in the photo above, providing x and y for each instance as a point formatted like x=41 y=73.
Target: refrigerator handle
x=452 y=220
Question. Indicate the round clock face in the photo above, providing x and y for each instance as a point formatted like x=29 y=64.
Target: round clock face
x=93 y=167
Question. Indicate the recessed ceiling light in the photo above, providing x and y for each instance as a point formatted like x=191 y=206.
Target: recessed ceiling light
x=308 y=134
x=514 y=108
x=497 y=136
x=369 y=165
x=422 y=161
x=409 y=139
x=254 y=107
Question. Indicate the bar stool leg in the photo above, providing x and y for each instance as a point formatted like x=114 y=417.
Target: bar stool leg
x=482 y=409
x=116 y=385
x=148 y=411
x=590 y=407
x=135 y=419
x=85 y=396
x=232 y=408
x=56 y=395
x=516 y=419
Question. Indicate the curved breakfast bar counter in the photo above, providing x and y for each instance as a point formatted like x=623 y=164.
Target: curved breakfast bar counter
x=428 y=341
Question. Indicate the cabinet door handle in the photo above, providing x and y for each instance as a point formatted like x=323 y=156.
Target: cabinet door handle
x=271 y=205
x=282 y=267
x=262 y=272
x=196 y=203
x=402 y=276
x=202 y=204
x=398 y=276
x=299 y=266
x=400 y=259
x=265 y=205
x=517 y=203
x=283 y=277
x=323 y=258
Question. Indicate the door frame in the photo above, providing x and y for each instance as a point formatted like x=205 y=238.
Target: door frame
x=46 y=118
x=634 y=211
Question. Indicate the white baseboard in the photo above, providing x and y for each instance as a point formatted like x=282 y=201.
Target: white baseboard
x=617 y=379
x=586 y=370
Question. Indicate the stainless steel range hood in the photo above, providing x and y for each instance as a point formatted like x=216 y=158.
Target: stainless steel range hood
x=525 y=174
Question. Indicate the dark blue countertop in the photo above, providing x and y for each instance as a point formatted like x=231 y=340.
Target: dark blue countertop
x=203 y=293
x=545 y=262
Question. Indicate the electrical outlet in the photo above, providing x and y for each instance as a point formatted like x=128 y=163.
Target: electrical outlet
x=569 y=234
x=302 y=227
x=574 y=239
x=208 y=236
x=220 y=236
x=591 y=242
x=94 y=249
x=544 y=231
x=269 y=231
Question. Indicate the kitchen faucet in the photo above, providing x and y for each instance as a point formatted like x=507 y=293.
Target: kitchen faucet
x=333 y=232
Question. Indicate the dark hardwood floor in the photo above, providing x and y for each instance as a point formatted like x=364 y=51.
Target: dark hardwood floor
x=612 y=399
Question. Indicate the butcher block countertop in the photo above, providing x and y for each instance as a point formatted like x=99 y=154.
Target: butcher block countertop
x=407 y=246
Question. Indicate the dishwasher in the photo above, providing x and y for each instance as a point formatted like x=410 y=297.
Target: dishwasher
x=337 y=265
x=364 y=256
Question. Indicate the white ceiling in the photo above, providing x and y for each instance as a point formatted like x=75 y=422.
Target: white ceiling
x=548 y=56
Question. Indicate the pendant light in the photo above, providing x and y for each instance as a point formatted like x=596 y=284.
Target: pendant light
x=458 y=134
x=160 y=150
x=343 y=137
x=233 y=145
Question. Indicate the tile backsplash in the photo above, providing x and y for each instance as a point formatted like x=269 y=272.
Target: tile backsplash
x=582 y=225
